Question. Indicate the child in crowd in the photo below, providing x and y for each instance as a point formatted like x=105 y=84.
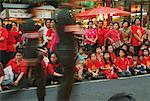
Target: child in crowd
x=80 y=64
x=146 y=60
x=136 y=67
x=1 y=76
x=112 y=54
x=93 y=67
x=99 y=54
x=107 y=66
x=122 y=64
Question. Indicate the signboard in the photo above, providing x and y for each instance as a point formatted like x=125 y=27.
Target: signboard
x=19 y=13
x=44 y=14
x=3 y=14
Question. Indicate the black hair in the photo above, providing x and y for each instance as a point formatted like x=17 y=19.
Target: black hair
x=143 y=51
x=117 y=24
x=19 y=51
x=50 y=20
x=108 y=46
x=122 y=97
x=125 y=45
x=56 y=56
x=8 y=26
x=127 y=22
x=136 y=19
x=123 y=51
x=110 y=59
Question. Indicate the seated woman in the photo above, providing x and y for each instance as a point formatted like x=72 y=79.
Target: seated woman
x=93 y=67
x=1 y=76
x=55 y=69
x=19 y=67
x=107 y=66
x=122 y=64
x=136 y=67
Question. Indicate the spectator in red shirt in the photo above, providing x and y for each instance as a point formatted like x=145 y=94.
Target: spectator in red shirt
x=146 y=60
x=93 y=66
x=91 y=36
x=1 y=76
x=107 y=68
x=11 y=43
x=48 y=69
x=101 y=33
x=114 y=36
x=131 y=52
x=19 y=68
x=16 y=32
x=112 y=54
x=122 y=64
x=137 y=35
x=52 y=36
x=136 y=67
x=3 y=43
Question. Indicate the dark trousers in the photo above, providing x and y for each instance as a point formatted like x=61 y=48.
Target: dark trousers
x=3 y=57
x=66 y=57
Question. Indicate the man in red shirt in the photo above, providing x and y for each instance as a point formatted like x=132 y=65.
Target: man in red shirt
x=137 y=35
x=101 y=33
x=3 y=43
x=19 y=68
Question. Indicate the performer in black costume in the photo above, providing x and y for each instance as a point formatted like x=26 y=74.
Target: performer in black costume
x=31 y=54
x=66 y=51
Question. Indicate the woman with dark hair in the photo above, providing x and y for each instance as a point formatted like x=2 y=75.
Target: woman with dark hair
x=137 y=35
x=91 y=36
x=108 y=67
x=122 y=64
x=114 y=37
x=126 y=32
x=3 y=43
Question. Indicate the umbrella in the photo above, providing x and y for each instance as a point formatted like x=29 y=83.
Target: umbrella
x=102 y=10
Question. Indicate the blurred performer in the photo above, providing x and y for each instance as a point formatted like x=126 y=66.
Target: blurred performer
x=66 y=49
x=30 y=52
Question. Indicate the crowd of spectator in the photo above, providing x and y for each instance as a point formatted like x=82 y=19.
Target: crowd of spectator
x=103 y=52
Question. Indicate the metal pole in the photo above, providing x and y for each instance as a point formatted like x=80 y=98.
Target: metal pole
x=141 y=12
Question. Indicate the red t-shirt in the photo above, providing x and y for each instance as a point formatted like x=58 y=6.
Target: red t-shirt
x=18 y=68
x=93 y=65
x=92 y=34
x=146 y=60
x=3 y=44
x=47 y=69
x=114 y=35
x=135 y=29
x=122 y=64
x=101 y=34
x=107 y=66
x=49 y=34
x=11 y=42
x=113 y=56
x=134 y=62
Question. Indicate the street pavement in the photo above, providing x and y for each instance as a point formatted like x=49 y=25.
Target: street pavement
x=95 y=90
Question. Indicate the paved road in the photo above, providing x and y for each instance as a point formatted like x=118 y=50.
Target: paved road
x=90 y=90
